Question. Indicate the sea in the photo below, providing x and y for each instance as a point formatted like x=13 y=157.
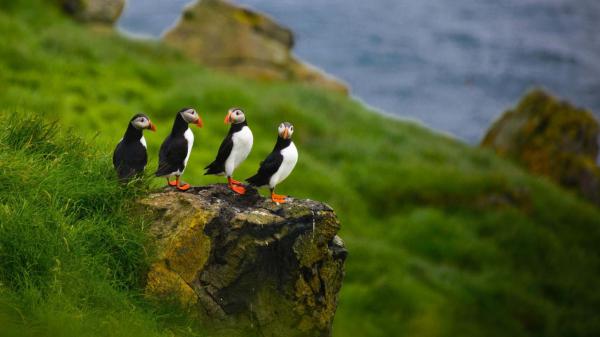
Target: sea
x=453 y=66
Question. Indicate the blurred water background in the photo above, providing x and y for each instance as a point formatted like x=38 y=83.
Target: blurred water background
x=453 y=65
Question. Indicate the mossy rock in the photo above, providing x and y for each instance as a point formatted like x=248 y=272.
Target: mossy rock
x=97 y=11
x=551 y=138
x=222 y=35
x=245 y=263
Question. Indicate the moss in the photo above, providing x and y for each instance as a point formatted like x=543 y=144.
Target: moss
x=248 y=17
x=166 y=284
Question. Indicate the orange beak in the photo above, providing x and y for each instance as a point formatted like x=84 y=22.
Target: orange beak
x=285 y=133
x=199 y=122
x=227 y=120
x=152 y=127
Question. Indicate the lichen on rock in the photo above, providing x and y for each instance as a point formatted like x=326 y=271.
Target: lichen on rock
x=222 y=35
x=245 y=262
x=553 y=139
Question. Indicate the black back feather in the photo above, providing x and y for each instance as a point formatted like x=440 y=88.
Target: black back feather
x=130 y=156
x=270 y=165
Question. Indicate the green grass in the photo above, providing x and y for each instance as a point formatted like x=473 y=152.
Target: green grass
x=444 y=239
x=72 y=259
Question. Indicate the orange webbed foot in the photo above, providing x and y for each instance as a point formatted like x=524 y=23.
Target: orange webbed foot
x=184 y=187
x=173 y=183
x=239 y=189
x=235 y=182
x=277 y=198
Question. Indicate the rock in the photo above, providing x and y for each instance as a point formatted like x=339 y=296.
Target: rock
x=222 y=35
x=243 y=262
x=98 y=11
x=553 y=139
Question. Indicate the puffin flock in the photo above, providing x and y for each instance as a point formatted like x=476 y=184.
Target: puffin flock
x=130 y=156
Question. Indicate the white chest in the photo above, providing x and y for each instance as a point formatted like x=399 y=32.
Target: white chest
x=242 y=142
x=290 y=158
x=242 y=145
x=189 y=137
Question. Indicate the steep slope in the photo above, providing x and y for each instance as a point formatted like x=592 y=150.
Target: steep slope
x=444 y=240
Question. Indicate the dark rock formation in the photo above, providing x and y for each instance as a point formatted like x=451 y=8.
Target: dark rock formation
x=224 y=36
x=553 y=139
x=243 y=262
x=98 y=11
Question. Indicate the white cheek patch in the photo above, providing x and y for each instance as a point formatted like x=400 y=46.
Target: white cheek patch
x=186 y=117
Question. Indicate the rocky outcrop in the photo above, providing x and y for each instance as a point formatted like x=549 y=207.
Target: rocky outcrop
x=222 y=35
x=553 y=139
x=98 y=11
x=243 y=262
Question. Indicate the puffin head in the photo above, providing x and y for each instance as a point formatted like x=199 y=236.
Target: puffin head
x=191 y=116
x=285 y=130
x=141 y=121
x=235 y=116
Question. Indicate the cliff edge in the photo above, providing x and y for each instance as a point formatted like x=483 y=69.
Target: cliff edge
x=244 y=262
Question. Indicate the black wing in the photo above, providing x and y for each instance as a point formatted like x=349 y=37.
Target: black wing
x=129 y=159
x=267 y=168
x=171 y=156
x=218 y=165
x=118 y=155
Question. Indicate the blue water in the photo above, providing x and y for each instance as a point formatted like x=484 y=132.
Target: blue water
x=453 y=65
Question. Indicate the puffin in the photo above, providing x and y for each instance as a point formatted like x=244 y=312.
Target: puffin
x=175 y=150
x=279 y=163
x=130 y=156
x=233 y=150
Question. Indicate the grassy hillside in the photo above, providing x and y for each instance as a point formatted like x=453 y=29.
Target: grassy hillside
x=444 y=240
x=67 y=248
